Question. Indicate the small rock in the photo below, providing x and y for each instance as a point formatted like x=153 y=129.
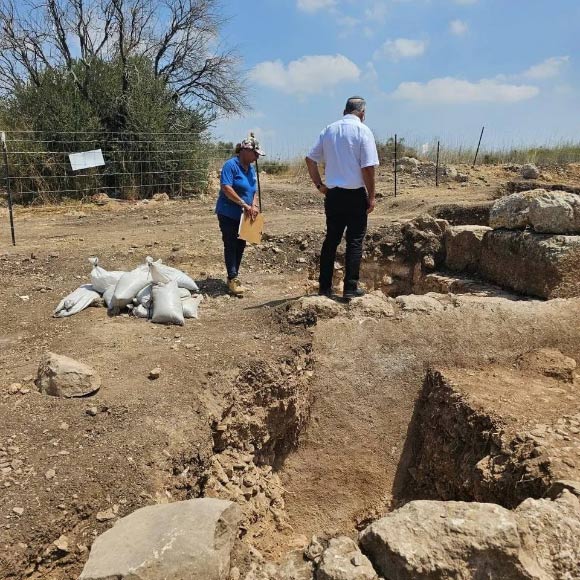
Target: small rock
x=18 y=511
x=50 y=474
x=92 y=411
x=154 y=373
x=62 y=544
x=106 y=515
x=14 y=388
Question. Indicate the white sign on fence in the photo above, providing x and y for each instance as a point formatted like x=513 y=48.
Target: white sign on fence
x=86 y=159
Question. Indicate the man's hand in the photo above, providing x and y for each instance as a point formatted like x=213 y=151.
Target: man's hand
x=323 y=189
x=370 y=204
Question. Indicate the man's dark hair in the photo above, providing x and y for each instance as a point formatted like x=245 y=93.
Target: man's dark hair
x=355 y=104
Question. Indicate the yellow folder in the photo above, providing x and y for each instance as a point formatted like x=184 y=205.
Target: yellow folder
x=251 y=230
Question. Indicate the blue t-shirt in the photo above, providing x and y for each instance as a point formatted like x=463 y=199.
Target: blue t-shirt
x=243 y=183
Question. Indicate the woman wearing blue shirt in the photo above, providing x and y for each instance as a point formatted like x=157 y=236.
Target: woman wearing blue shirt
x=237 y=196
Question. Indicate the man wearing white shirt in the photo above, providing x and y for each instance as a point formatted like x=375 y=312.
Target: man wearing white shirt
x=349 y=152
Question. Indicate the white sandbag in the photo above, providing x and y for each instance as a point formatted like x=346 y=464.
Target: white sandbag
x=144 y=296
x=167 y=307
x=162 y=274
x=184 y=293
x=129 y=285
x=101 y=279
x=191 y=306
x=76 y=301
x=108 y=295
x=140 y=311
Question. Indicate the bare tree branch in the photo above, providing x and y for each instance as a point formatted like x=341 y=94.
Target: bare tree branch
x=179 y=37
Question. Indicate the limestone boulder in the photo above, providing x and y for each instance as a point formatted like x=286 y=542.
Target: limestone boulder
x=540 y=265
x=187 y=540
x=342 y=560
x=61 y=376
x=512 y=212
x=463 y=247
x=555 y=212
x=432 y=540
x=308 y=309
x=549 y=531
x=408 y=163
x=423 y=236
x=373 y=305
x=529 y=171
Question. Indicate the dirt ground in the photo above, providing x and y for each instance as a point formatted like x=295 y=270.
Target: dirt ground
x=67 y=472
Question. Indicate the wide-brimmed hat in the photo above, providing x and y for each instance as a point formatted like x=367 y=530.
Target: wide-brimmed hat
x=252 y=143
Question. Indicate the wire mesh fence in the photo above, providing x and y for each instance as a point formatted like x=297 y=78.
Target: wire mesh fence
x=136 y=166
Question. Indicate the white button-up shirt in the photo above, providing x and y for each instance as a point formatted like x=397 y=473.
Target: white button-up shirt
x=345 y=147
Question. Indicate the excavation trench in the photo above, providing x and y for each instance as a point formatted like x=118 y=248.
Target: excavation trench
x=355 y=424
x=378 y=410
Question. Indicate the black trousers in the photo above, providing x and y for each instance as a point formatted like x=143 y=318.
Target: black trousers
x=233 y=246
x=345 y=209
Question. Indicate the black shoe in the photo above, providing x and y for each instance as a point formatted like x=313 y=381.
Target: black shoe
x=350 y=294
x=327 y=292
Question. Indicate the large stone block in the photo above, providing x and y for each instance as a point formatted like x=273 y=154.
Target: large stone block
x=435 y=540
x=463 y=247
x=512 y=212
x=548 y=212
x=546 y=266
x=555 y=212
x=431 y=540
x=186 y=540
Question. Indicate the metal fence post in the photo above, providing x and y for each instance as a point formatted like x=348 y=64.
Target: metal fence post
x=437 y=167
x=478 y=145
x=395 y=165
x=8 y=191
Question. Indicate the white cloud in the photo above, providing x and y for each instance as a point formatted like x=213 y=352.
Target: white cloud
x=549 y=68
x=450 y=90
x=458 y=27
x=307 y=75
x=376 y=12
x=315 y=5
x=401 y=48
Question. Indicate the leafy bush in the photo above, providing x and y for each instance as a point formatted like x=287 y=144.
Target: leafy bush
x=274 y=167
x=386 y=150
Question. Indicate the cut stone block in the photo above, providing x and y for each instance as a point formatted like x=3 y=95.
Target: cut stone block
x=542 y=265
x=463 y=247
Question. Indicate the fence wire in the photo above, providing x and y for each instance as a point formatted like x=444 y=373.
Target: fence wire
x=136 y=166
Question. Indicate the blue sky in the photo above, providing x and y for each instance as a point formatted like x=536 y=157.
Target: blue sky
x=429 y=69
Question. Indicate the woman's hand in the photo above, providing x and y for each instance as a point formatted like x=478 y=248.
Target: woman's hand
x=251 y=211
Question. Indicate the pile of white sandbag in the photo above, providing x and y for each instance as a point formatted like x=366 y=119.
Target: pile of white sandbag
x=163 y=294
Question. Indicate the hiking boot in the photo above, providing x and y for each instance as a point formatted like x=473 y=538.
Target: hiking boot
x=325 y=292
x=350 y=294
x=235 y=287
